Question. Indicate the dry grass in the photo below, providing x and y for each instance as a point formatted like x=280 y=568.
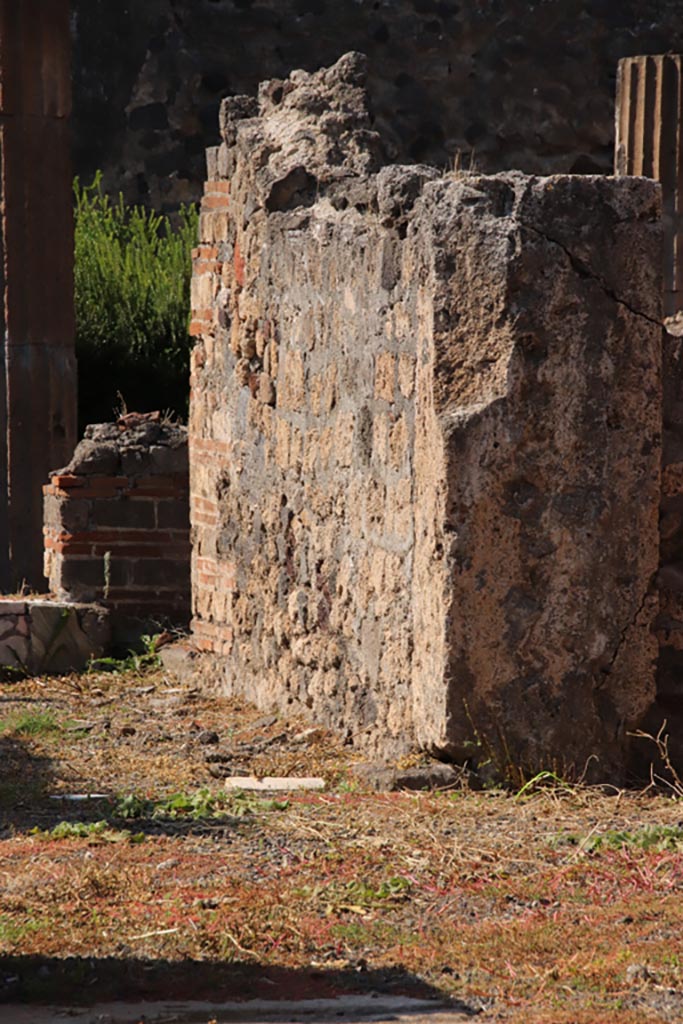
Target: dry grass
x=562 y=905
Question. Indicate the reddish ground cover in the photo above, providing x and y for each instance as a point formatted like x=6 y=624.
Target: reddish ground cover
x=556 y=905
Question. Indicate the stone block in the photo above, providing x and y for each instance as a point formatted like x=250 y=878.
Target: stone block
x=55 y=637
x=385 y=372
x=126 y=513
x=9 y=607
x=527 y=493
x=173 y=515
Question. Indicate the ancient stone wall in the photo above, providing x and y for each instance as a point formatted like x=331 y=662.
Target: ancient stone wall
x=523 y=84
x=425 y=438
x=116 y=523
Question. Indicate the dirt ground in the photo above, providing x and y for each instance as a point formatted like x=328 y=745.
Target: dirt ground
x=127 y=871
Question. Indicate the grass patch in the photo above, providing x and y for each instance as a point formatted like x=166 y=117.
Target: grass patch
x=13 y=932
x=30 y=724
x=38 y=725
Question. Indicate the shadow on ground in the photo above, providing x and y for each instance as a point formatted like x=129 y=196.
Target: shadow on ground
x=25 y=780
x=45 y=811
x=28 y=798
x=84 y=981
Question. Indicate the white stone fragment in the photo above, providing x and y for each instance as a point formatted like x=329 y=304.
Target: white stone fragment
x=272 y=784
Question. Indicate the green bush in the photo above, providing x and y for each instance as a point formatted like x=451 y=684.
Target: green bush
x=132 y=297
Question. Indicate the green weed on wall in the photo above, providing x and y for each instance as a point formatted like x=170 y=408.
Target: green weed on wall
x=132 y=298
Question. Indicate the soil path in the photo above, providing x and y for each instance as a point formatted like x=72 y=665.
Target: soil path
x=131 y=881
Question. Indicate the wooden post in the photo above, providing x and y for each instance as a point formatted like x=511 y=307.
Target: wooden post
x=38 y=379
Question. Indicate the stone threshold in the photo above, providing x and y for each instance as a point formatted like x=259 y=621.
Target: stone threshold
x=42 y=635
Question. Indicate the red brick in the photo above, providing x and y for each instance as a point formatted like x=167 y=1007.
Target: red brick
x=205 y=252
x=204 y=504
x=206 y=580
x=104 y=487
x=178 y=491
x=215 y=202
x=201 y=446
x=203 y=643
x=238 y=264
x=163 y=483
x=126 y=513
x=67 y=480
x=174 y=515
x=207 y=267
x=157 y=573
x=205 y=518
x=208 y=564
x=217 y=186
x=169 y=595
x=116 y=536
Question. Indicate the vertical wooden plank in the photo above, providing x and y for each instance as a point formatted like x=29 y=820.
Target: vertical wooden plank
x=36 y=226
x=650 y=142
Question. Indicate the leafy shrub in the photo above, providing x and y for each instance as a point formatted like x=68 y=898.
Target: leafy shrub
x=132 y=298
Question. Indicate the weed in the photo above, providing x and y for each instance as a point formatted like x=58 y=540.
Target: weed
x=93 y=830
x=348 y=785
x=393 y=889
x=491 y=758
x=204 y=804
x=357 y=896
x=138 y=662
x=544 y=778
x=658 y=838
x=674 y=781
x=133 y=806
x=12 y=673
x=106 y=564
x=459 y=170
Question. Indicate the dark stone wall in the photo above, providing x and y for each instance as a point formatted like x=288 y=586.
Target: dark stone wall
x=527 y=85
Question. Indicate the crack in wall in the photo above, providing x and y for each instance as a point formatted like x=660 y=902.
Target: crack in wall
x=649 y=592
x=585 y=271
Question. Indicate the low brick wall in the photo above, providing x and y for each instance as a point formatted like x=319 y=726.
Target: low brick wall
x=116 y=522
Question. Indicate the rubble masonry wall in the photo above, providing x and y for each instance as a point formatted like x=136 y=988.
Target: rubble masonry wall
x=425 y=437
